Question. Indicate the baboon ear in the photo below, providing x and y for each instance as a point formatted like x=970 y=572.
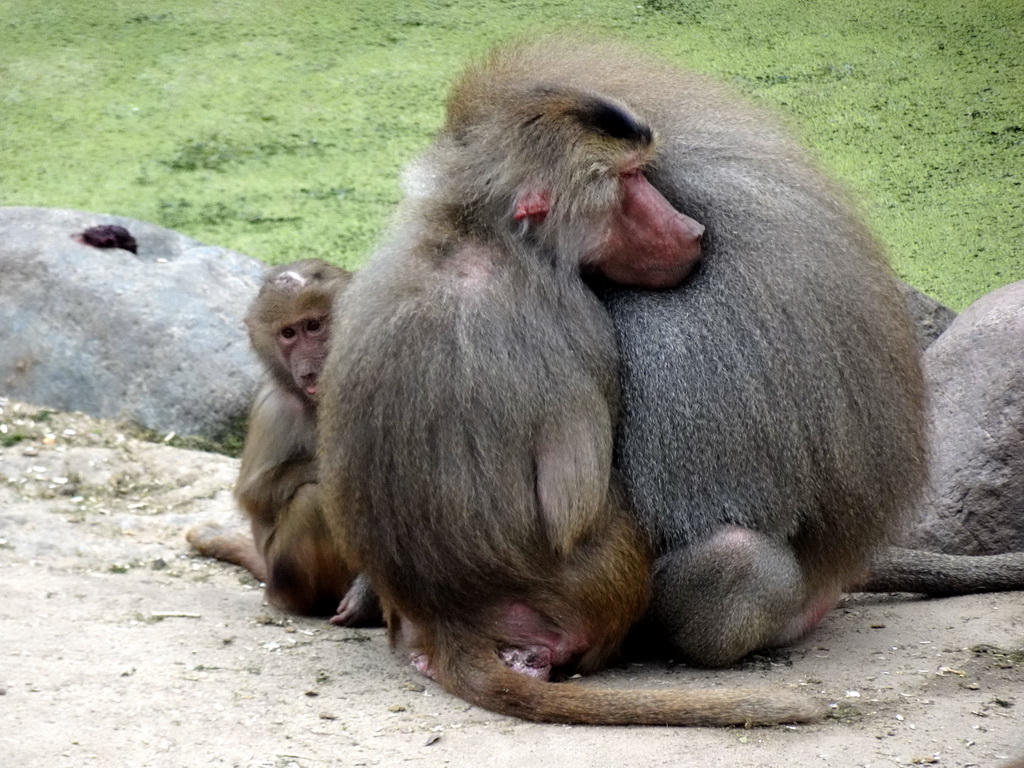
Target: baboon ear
x=533 y=203
x=572 y=468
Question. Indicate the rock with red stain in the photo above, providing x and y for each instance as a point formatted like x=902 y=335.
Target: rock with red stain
x=153 y=336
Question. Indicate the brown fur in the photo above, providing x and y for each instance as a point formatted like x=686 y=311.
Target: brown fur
x=290 y=549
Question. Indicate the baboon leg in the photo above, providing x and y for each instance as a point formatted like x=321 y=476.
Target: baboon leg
x=730 y=595
x=230 y=545
x=306 y=572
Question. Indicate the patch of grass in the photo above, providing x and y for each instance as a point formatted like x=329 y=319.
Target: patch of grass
x=1003 y=658
x=228 y=441
x=11 y=439
x=280 y=129
x=215 y=152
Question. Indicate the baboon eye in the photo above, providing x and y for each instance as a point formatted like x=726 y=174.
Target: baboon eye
x=313 y=325
x=288 y=332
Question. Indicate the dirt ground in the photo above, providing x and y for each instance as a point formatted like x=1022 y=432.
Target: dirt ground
x=119 y=647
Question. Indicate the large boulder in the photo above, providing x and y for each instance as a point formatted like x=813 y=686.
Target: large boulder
x=155 y=337
x=975 y=374
x=930 y=317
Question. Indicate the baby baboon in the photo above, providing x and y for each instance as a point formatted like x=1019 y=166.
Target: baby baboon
x=305 y=572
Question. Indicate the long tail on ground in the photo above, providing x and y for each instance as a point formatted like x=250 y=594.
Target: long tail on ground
x=474 y=672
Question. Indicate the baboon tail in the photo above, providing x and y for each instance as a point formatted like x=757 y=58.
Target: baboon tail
x=896 y=569
x=478 y=675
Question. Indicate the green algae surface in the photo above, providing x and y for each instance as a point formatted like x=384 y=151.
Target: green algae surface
x=280 y=129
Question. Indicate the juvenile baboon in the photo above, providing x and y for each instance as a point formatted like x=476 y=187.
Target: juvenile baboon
x=469 y=404
x=290 y=549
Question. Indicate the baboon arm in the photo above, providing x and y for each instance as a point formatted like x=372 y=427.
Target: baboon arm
x=265 y=496
x=278 y=455
x=573 y=466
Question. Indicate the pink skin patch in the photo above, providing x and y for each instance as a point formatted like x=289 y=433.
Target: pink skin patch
x=421 y=664
x=535 y=645
x=534 y=648
x=650 y=244
x=303 y=348
x=814 y=609
x=533 y=204
x=534 y=661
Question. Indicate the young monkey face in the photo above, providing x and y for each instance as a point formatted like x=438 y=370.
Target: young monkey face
x=302 y=346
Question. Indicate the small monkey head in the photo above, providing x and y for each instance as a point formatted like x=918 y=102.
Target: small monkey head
x=289 y=322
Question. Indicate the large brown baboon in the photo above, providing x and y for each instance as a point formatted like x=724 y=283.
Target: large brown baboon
x=469 y=404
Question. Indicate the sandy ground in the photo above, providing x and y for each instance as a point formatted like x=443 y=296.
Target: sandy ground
x=119 y=647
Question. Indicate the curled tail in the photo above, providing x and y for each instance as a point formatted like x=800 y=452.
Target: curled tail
x=477 y=674
x=909 y=570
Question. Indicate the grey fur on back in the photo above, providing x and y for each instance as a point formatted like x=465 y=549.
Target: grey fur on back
x=780 y=388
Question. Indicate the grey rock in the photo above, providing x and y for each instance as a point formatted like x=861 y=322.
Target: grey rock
x=975 y=374
x=930 y=317
x=156 y=338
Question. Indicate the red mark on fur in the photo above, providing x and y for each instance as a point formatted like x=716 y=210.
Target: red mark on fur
x=536 y=645
x=532 y=204
x=531 y=644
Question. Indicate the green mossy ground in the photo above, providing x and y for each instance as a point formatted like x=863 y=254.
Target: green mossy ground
x=279 y=129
